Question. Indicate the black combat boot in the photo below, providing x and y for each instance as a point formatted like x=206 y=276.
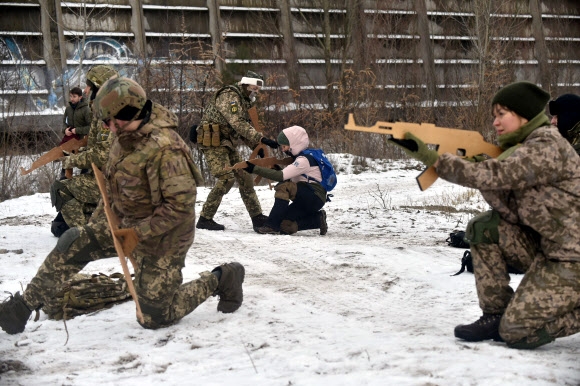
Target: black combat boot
x=486 y=327
x=209 y=224
x=323 y=224
x=259 y=221
x=230 y=287
x=14 y=314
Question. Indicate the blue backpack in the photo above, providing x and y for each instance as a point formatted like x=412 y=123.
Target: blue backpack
x=318 y=158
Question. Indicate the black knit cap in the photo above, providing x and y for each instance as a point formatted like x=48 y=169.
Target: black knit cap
x=523 y=98
x=567 y=108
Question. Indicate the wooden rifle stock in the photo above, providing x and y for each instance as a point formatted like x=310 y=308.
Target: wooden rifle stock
x=113 y=222
x=253 y=113
x=269 y=162
x=460 y=142
x=70 y=147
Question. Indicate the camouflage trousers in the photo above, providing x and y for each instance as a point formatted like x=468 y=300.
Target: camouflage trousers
x=548 y=297
x=163 y=297
x=80 y=196
x=216 y=158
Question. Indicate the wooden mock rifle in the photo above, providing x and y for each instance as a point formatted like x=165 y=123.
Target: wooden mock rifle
x=269 y=163
x=113 y=222
x=253 y=113
x=460 y=142
x=69 y=147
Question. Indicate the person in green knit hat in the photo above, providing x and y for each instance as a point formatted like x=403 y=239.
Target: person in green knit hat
x=533 y=225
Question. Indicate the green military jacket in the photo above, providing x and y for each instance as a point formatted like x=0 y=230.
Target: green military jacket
x=79 y=117
x=229 y=109
x=152 y=187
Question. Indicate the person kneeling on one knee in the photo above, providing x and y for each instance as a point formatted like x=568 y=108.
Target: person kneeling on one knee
x=299 y=196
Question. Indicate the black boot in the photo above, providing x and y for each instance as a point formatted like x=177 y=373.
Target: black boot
x=230 y=287
x=486 y=327
x=209 y=224
x=259 y=221
x=14 y=314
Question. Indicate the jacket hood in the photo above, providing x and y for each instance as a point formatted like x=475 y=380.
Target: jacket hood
x=298 y=139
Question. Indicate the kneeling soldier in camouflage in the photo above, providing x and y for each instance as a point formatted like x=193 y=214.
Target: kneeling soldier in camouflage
x=151 y=183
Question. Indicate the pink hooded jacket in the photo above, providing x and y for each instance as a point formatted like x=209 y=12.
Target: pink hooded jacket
x=296 y=172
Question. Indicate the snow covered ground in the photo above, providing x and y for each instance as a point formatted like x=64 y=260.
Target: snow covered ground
x=370 y=303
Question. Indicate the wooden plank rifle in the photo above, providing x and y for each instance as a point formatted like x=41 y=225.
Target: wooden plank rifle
x=460 y=142
x=269 y=163
x=113 y=222
x=253 y=113
x=69 y=147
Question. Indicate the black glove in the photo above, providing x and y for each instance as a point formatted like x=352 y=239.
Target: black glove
x=250 y=167
x=269 y=142
x=261 y=153
x=417 y=149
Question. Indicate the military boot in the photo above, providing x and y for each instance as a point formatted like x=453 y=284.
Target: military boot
x=323 y=224
x=209 y=224
x=486 y=327
x=259 y=221
x=14 y=314
x=230 y=287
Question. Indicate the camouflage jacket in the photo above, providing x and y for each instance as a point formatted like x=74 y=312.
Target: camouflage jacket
x=79 y=117
x=229 y=108
x=97 y=150
x=152 y=188
x=535 y=183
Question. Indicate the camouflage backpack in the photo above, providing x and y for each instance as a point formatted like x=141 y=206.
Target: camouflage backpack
x=89 y=293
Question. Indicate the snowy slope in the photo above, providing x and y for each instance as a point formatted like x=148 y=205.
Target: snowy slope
x=370 y=303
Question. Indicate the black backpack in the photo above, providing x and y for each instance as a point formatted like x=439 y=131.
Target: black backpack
x=456 y=240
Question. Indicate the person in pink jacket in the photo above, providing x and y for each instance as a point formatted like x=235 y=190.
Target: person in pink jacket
x=299 y=196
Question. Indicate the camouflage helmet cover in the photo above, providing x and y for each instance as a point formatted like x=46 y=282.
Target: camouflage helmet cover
x=116 y=94
x=100 y=73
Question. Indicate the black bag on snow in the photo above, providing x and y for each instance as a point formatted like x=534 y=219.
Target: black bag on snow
x=456 y=240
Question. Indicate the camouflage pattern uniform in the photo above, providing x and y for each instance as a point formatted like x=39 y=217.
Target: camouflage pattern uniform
x=229 y=109
x=152 y=188
x=76 y=198
x=534 y=226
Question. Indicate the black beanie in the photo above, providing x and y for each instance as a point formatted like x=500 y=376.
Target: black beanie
x=523 y=98
x=567 y=108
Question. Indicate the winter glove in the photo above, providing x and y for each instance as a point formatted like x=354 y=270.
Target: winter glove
x=250 y=167
x=129 y=239
x=269 y=142
x=417 y=149
x=261 y=153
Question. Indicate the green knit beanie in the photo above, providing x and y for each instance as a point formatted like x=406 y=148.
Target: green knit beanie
x=282 y=139
x=523 y=98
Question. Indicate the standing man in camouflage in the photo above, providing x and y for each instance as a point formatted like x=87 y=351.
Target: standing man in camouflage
x=75 y=199
x=224 y=122
x=151 y=182
x=565 y=111
x=534 y=224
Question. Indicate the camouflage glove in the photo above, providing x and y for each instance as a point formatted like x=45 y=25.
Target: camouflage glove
x=417 y=149
x=269 y=142
x=129 y=239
